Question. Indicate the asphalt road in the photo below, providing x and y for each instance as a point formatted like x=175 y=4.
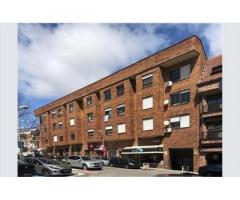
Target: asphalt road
x=121 y=172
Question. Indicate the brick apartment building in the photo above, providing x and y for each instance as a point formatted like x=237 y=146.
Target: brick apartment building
x=153 y=104
x=210 y=93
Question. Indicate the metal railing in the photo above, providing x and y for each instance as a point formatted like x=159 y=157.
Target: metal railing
x=212 y=134
x=214 y=107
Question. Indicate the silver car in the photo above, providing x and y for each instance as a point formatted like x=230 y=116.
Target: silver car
x=83 y=162
x=103 y=160
x=48 y=167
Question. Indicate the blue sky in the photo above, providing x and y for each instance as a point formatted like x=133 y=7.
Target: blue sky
x=84 y=53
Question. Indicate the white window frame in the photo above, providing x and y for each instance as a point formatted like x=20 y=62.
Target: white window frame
x=121 y=128
x=148 y=127
x=147 y=102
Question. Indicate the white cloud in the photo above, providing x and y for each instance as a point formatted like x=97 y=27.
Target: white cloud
x=213 y=34
x=61 y=60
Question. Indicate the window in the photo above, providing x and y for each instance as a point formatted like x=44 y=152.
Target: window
x=184 y=72
x=55 y=138
x=121 y=128
x=216 y=69
x=90 y=116
x=59 y=112
x=108 y=113
x=60 y=125
x=148 y=124
x=180 y=122
x=180 y=97
x=108 y=130
x=71 y=107
x=147 y=80
x=175 y=75
x=89 y=101
x=54 y=126
x=46 y=141
x=53 y=114
x=121 y=109
x=44 y=117
x=41 y=119
x=60 y=138
x=90 y=132
x=120 y=90
x=72 y=136
x=147 y=102
x=72 y=122
x=107 y=94
x=180 y=73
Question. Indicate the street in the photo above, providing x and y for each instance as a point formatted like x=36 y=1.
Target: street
x=121 y=172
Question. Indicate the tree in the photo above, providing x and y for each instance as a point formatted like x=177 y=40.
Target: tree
x=26 y=118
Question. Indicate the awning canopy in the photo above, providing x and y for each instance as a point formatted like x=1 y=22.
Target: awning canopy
x=150 y=149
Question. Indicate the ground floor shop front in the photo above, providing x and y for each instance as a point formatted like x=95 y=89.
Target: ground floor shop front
x=151 y=152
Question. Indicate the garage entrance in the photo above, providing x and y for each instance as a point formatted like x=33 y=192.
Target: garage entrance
x=180 y=158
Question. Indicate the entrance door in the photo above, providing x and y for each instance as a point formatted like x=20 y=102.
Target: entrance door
x=181 y=157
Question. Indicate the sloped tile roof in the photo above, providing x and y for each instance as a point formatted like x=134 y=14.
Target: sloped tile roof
x=207 y=75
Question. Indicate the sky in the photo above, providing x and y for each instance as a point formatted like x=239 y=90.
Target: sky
x=57 y=59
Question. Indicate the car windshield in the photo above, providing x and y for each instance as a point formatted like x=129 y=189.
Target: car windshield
x=86 y=158
x=49 y=162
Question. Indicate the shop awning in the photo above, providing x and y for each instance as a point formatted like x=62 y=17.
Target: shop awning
x=150 y=149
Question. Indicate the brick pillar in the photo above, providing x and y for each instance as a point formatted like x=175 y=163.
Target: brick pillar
x=135 y=143
x=166 y=159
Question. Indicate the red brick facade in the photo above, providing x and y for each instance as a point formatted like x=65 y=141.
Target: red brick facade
x=160 y=67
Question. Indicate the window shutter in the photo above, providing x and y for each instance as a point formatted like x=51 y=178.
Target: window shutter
x=55 y=138
x=72 y=122
x=175 y=119
x=121 y=128
x=108 y=128
x=147 y=102
x=185 y=121
x=185 y=71
x=147 y=124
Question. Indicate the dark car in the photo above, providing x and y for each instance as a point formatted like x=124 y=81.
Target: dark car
x=123 y=162
x=25 y=169
x=211 y=170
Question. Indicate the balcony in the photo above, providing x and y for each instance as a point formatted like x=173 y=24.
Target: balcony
x=212 y=137
x=212 y=109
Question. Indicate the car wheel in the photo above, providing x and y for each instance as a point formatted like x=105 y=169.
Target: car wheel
x=126 y=166
x=69 y=165
x=45 y=172
x=85 y=167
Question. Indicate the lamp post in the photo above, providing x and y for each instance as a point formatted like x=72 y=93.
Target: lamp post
x=20 y=108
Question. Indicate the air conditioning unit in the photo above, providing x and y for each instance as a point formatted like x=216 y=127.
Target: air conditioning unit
x=167 y=130
x=168 y=83
x=166 y=123
x=165 y=102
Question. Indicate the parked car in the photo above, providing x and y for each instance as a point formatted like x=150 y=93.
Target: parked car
x=84 y=162
x=211 y=170
x=123 y=162
x=25 y=169
x=48 y=167
x=103 y=160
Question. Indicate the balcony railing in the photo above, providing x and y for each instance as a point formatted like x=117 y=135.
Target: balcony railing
x=214 y=107
x=212 y=134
